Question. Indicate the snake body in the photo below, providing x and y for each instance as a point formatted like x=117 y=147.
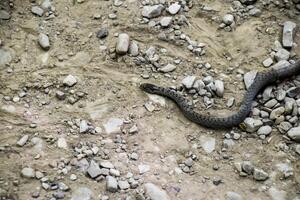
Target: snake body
x=261 y=80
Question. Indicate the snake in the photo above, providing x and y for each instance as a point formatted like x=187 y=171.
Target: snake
x=261 y=80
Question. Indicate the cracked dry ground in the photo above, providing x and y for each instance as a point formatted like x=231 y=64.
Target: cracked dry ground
x=149 y=147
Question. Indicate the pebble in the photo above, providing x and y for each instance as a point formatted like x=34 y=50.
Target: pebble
x=107 y=165
x=44 y=41
x=152 y=11
x=4 y=15
x=167 y=68
x=60 y=95
x=166 y=21
x=276 y=194
x=62 y=143
x=252 y=125
x=249 y=78
x=122 y=45
x=59 y=195
x=281 y=64
x=228 y=19
x=268 y=62
x=174 y=8
x=294 y=133
x=37 y=11
x=123 y=185
x=114 y=172
x=207 y=143
x=255 y=12
x=264 y=130
x=83 y=126
x=233 y=196
x=5 y=56
x=260 y=175
x=297 y=149
x=155 y=193
x=133 y=48
x=288 y=33
x=73 y=177
x=277 y=112
x=281 y=94
x=94 y=169
x=219 y=88
x=282 y=54
x=46 y=5
x=21 y=142
x=143 y=168
x=28 y=172
x=70 y=80
x=189 y=81
x=82 y=193
x=247 y=167
x=102 y=33
x=111 y=184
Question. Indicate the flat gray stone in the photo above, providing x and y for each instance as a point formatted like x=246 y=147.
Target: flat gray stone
x=207 y=143
x=264 y=130
x=22 y=141
x=228 y=19
x=276 y=194
x=122 y=45
x=260 y=175
x=107 y=165
x=233 y=196
x=281 y=64
x=288 y=33
x=133 y=48
x=28 y=172
x=247 y=167
x=174 y=8
x=123 y=185
x=152 y=11
x=4 y=15
x=94 y=169
x=111 y=184
x=188 y=81
x=5 y=56
x=277 y=112
x=268 y=62
x=70 y=80
x=255 y=12
x=167 y=68
x=282 y=54
x=249 y=78
x=294 y=133
x=37 y=11
x=252 y=125
x=143 y=168
x=113 y=125
x=166 y=21
x=62 y=143
x=82 y=193
x=44 y=41
x=155 y=193
x=219 y=88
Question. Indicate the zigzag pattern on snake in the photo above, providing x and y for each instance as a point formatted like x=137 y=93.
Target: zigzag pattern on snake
x=261 y=80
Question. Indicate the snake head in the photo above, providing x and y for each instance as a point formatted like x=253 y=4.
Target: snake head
x=149 y=88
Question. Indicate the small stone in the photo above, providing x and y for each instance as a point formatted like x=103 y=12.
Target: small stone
x=166 y=21
x=294 y=133
x=276 y=194
x=37 y=11
x=62 y=143
x=83 y=126
x=219 y=88
x=207 y=143
x=252 y=125
x=73 y=177
x=277 y=112
x=288 y=33
x=264 y=130
x=255 y=12
x=44 y=41
x=60 y=95
x=282 y=54
x=122 y=43
x=5 y=56
x=167 y=68
x=123 y=185
x=260 y=175
x=21 y=142
x=133 y=48
x=230 y=102
x=70 y=81
x=94 y=169
x=247 y=167
x=28 y=172
x=82 y=193
x=114 y=172
x=152 y=11
x=189 y=81
x=107 y=164
x=102 y=33
x=155 y=193
x=4 y=15
x=134 y=156
x=249 y=78
x=143 y=168
x=233 y=196
x=268 y=62
x=228 y=19
x=174 y=8
x=281 y=64
x=111 y=184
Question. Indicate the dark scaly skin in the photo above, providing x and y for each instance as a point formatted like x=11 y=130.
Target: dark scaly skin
x=261 y=80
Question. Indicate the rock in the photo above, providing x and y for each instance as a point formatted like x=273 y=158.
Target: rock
x=288 y=32
x=113 y=126
x=94 y=170
x=255 y=12
x=219 y=88
x=282 y=54
x=59 y=195
x=247 y=167
x=102 y=33
x=286 y=169
x=44 y=41
x=4 y=15
x=143 y=168
x=28 y=172
x=260 y=175
x=70 y=80
x=133 y=48
x=37 y=11
x=199 y=85
x=264 y=130
x=207 y=143
x=276 y=194
x=188 y=81
x=167 y=68
x=233 y=196
x=21 y=142
x=281 y=64
x=111 y=184
x=293 y=91
x=155 y=193
x=252 y=125
x=248 y=2
x=114 y=172
x=82 y=193
x=249 y=78
x=281 y=94
x=123 y=185
x=107 y=165
x=228 y=19
x=5 y=56
x=60 y=95
x=166 y=21
x=174 y=8
x=294 y=133
x=297 y=149
x=46 y=5
x=268 y=62
x=277 y=112
x=62 y=143
x=83 y=126
x=122 y=43
x=152 y=11
x=228 y=143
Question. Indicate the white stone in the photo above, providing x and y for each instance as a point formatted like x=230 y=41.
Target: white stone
x=294 y=133
x=143 y=168
x=28 y=172
x=133 y=48
x=167 y=68
x=113 y=125
x=219 y=88
x=188 y=81
x=228 y=19
x=268 y=62
x=207 y=143
x=155 y=193
x=174 y=8
x=70 y=80
x=152 y=11
x=288 y=32
x=111 y=184
x=122 y=43
x=166 y=21
x=23 y=140
x=62 y=143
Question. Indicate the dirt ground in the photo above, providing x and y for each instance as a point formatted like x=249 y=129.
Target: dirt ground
x=110 y=85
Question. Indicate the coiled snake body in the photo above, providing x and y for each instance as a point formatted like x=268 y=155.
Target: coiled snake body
x=261 y=80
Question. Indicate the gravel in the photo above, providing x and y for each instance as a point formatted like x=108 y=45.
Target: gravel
x=167 y=68
x=37 y=11
x=82 y=193
x=94 y=170
x=174 y=8
x=228 y=19
x=189 y=81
